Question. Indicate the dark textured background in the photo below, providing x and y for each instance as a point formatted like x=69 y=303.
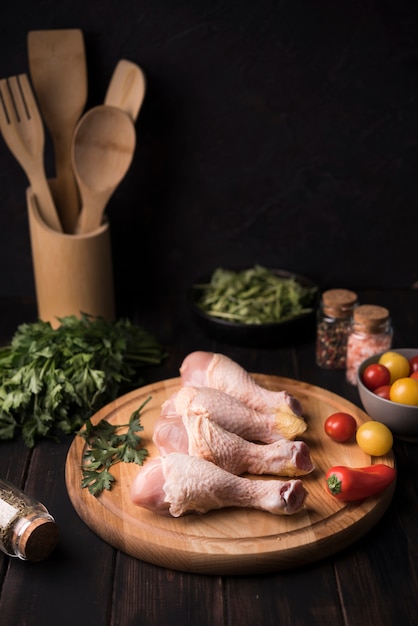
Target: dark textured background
x=276 y=132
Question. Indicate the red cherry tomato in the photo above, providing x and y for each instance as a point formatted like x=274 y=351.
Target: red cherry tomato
x=414 y=375
x=383 y=391
x=340 y=426
x=375 y=375
x=413 y=362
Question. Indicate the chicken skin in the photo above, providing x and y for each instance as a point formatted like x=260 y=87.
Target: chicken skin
x=198 y=435
x=208 y=369
x=234 y=415
x=178 y=484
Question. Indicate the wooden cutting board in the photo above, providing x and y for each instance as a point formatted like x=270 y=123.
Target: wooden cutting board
x=231 y=541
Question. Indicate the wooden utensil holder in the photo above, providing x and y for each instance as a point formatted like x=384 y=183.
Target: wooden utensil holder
x=73 y=273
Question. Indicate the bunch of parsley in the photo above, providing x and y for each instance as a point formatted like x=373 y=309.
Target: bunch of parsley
x=52 y=380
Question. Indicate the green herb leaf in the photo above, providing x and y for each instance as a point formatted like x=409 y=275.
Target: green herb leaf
x=106 y=446
x=7 y=426
x=96 y=482
x=52 y=380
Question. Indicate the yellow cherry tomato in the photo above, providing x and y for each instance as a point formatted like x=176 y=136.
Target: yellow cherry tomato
x=374 y=438
x=397 y=364
x=404 y=391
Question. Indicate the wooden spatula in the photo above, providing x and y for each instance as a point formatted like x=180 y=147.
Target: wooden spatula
x=126 y=89
x=58 y=71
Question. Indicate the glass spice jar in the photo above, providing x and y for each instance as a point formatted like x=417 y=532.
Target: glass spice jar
x=371 y=332
x=333 y=325
x=27 y=530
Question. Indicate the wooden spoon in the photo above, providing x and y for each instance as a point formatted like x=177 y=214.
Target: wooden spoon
x=127 y=87
x=57 y=63
x=102 y=150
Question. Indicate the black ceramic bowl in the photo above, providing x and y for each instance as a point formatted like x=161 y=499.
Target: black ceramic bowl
x=288 y=332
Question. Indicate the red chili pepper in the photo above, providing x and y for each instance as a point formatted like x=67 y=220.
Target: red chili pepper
x=349 y=483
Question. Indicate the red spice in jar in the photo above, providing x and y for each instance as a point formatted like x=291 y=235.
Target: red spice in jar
x=371 y=333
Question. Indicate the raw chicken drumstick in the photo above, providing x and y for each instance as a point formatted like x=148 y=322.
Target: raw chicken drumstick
x=209 y=369
x=234 y=415
x=179 y=484
x=198 y=435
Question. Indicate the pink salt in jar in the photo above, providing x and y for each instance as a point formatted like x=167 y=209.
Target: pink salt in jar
x=371 y=332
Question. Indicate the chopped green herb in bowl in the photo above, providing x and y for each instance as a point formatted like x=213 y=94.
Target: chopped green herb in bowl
x=255 y=306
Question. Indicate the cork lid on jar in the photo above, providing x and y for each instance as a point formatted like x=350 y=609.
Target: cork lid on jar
x=339 y=302
x=371 y=318
x=39 y=539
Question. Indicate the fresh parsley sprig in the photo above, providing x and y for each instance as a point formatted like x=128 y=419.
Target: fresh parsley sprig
x=106 y=446
x=53 y=380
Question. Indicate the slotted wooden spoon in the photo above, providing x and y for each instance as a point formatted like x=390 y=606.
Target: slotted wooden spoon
x=102 y=150
x=127 y=87
x=58 y=71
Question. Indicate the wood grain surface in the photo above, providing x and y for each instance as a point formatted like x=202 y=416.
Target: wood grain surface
x=231 y=541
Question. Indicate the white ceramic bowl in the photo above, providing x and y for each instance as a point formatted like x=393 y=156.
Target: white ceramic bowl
x=402 y=419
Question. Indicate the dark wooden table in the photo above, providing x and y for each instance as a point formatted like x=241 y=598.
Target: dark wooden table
x=86 y=581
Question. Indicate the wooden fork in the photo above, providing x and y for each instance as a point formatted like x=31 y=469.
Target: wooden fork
x=23 y=131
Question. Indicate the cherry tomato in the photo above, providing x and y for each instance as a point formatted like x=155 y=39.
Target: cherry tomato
x=405 y=391
x=413 y=362
x=374 y=438
x=383 y=391
x=397 y=364
x=340 y=426
x=375 y=375
x=415 y=375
